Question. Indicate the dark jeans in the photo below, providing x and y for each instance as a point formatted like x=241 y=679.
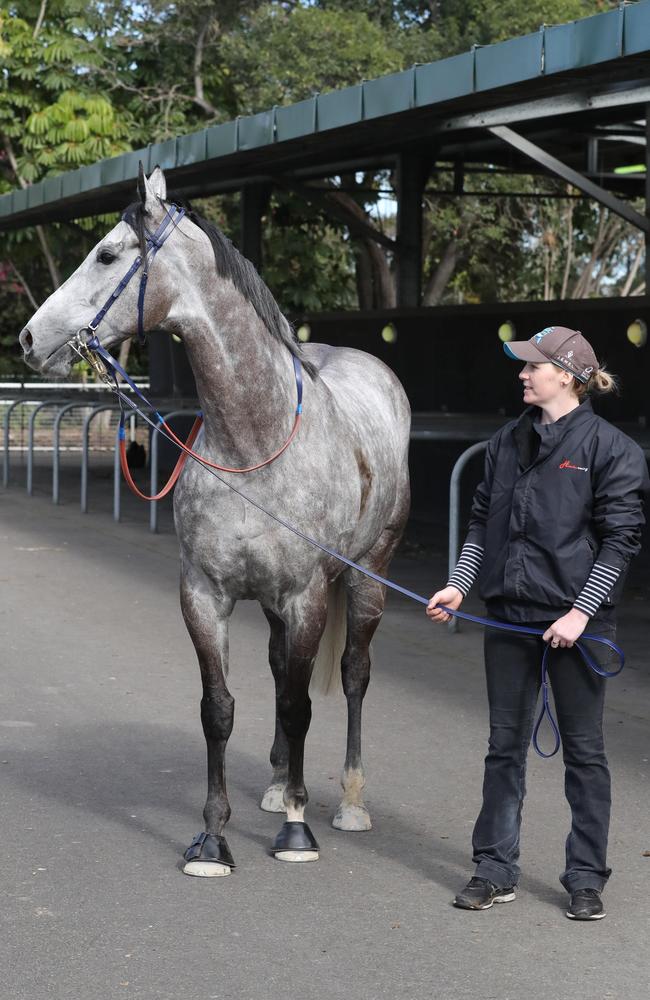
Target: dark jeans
x=512 y=666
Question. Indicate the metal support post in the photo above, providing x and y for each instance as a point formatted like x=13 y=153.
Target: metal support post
x=117 y=477
x=30 y=440
x=454 y=511
x=412 y=174
x=85 y=453
x=254 y=202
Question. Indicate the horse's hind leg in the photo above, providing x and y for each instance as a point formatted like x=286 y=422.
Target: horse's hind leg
x=273 y=798
x=207 y=624
x=365 y=607
x=365 y=599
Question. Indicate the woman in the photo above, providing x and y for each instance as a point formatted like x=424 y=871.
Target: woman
x=554 y=524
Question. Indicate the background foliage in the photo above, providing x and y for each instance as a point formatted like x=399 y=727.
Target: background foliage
x=85 y=80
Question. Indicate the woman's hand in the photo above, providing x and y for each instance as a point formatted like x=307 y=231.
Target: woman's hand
x=566 y=630
x=450 y=597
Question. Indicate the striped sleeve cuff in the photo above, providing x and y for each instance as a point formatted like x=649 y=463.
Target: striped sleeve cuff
x=467 y=568
x=600 y=583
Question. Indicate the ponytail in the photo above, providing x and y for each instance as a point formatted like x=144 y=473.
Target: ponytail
x=601 y=382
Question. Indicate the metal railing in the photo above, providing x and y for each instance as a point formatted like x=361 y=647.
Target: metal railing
x=7 y=436
x=85 y=445
x=56 y=443
x=454 y=510
x=30 y=440
x=64 y=408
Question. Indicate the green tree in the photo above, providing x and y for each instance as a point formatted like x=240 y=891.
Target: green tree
x=82 y=81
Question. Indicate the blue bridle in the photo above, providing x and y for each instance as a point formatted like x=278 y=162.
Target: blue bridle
x=153 y=243
x=91 y=346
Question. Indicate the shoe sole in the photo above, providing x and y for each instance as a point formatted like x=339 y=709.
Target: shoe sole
x=593 y=916
x=462 y=905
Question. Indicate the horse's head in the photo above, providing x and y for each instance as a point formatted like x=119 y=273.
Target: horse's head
x=46 y=338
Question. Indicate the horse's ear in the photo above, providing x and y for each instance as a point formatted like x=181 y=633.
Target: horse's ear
x=151 y=189
x=158 y=184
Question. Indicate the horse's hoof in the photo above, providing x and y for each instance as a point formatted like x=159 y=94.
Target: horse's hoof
x=297 y=856
x=208 y=856
x=295 y=842
x=352 y=819
x=206 y=869
x=273 y=799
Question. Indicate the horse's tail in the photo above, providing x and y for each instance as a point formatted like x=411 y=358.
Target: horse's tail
x=326 y=677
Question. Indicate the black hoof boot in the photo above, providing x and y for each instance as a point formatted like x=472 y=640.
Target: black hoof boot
x=208 y=856
x=295 y=842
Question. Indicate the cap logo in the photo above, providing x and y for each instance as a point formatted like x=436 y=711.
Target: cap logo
x=569 y=354
x=540 y=336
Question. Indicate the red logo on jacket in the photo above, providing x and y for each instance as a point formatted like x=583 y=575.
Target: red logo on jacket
x=566 y=464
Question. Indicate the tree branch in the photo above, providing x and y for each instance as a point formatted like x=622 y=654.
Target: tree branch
x=41 y=18
x=199 y=95
x=338 y=205
x=569 y=254
x=28 y=291
x=40 y=232
x=582 y=283
x=629 y=281
x=442 y=275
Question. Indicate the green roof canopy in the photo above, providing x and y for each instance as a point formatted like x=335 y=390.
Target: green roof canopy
x=558 y=83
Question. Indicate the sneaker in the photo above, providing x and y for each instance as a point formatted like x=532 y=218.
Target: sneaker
x=480 y=894
x=586 y=904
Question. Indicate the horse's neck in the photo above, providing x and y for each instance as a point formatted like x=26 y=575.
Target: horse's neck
x=245 y=382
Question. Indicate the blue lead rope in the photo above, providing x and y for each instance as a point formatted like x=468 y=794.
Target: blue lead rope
x=115 y=369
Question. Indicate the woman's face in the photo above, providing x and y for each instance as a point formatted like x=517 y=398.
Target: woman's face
x=544 y=383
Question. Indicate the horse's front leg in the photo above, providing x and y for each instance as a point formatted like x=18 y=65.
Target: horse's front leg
x=206 y=618
x=304 y=624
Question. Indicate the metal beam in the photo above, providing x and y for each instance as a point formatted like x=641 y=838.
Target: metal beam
x=547 y=107
x=559 y=168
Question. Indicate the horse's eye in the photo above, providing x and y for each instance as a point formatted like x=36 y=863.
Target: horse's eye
x=105 y=257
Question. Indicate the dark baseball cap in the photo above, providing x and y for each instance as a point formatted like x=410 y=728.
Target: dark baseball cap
x=565 y=348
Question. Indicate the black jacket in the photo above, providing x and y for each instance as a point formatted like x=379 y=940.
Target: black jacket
x=545 y=511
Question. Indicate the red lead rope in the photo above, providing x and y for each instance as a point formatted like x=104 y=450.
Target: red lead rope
x=186 y=451
x=224 y=468
x=178 y=468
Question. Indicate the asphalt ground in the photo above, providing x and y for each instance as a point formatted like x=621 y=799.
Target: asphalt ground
x=103 y=783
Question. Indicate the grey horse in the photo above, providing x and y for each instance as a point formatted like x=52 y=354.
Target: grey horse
x=343 y=480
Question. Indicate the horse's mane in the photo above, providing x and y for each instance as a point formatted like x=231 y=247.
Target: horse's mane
x=230 y=263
